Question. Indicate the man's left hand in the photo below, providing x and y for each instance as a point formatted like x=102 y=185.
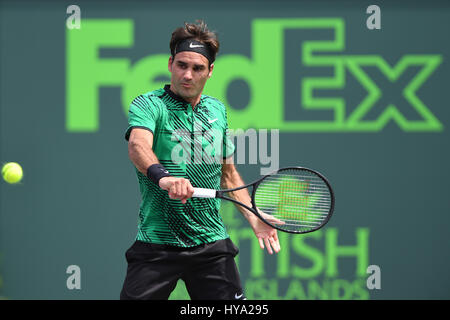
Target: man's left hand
x=267 y=236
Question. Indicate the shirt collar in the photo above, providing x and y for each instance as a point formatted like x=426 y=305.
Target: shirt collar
x=179 y=98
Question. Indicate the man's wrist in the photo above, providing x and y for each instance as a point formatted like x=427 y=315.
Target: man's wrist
x=156 y=172
x=248 y=215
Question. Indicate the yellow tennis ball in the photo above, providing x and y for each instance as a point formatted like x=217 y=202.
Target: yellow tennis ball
x=12 y=172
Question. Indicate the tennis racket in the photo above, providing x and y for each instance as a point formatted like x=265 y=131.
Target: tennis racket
x=300 y=199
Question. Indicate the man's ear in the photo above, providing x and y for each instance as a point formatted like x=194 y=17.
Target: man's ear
x=170 y=64
x=211 y=67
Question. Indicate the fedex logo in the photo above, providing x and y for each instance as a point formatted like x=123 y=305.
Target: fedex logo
x=264 y=72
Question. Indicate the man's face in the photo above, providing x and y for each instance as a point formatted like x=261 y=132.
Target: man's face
x=189 y=74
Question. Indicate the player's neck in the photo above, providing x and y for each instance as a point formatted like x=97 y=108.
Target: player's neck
x=192 y=101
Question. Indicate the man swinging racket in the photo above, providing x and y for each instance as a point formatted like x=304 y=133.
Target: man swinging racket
x=181 y=237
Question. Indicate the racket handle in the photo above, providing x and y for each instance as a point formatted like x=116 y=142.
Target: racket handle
x=204 y=193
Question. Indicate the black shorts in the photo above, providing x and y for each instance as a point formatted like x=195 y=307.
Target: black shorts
x=208 y=270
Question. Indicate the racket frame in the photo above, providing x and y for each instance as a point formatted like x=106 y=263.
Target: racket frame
x=255 y=184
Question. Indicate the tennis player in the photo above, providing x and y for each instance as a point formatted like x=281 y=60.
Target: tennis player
x=180 y=237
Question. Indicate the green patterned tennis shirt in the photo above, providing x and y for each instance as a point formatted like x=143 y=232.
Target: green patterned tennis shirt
x=189 y=143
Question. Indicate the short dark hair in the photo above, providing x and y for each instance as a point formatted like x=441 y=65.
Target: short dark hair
x=197 y=31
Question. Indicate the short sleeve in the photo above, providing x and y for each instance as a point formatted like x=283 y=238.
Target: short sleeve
x=143 y=113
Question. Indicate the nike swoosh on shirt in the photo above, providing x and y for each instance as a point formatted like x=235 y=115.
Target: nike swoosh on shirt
x=212 y=120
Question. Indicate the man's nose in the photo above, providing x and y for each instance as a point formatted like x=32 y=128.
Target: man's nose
x=188 y=75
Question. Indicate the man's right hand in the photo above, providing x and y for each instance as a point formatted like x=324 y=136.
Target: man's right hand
x=178 y=188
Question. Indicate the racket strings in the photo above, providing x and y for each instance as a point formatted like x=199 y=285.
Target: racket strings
x=319 y=201
x=299 y=199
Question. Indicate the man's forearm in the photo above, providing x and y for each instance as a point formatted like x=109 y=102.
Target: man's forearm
x=232 y=180
x=141 y=155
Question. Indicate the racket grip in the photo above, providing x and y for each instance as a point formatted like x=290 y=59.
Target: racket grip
x=204 y=193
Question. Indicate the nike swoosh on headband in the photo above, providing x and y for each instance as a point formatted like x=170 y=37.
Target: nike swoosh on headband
x=191 y=45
